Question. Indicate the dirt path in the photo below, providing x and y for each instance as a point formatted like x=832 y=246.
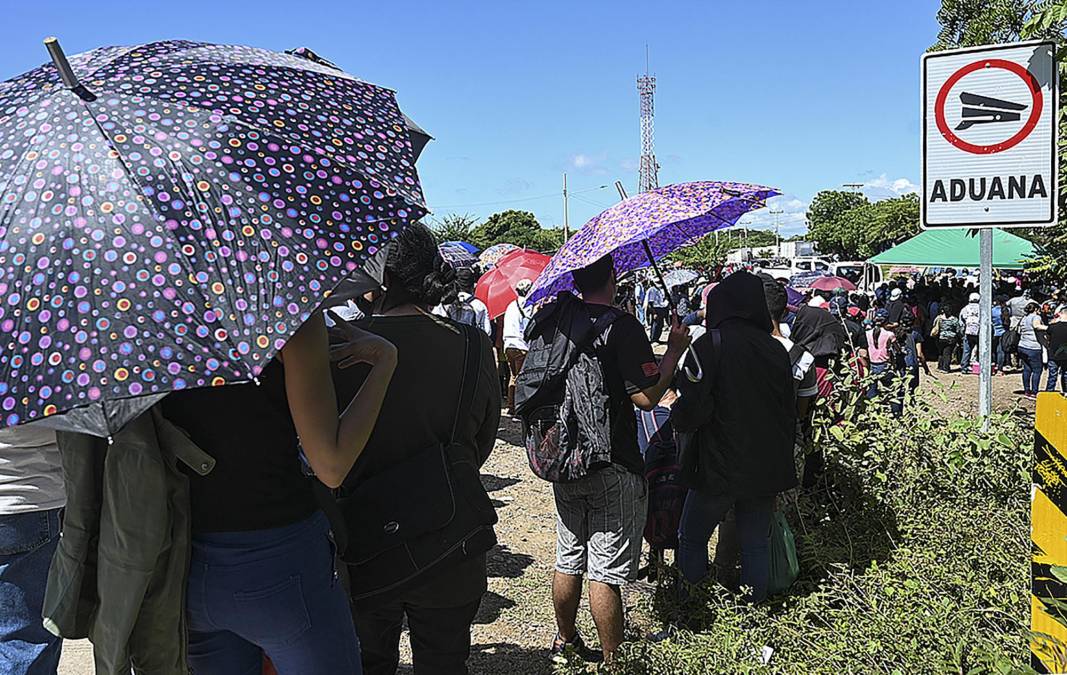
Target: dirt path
x=515 y=624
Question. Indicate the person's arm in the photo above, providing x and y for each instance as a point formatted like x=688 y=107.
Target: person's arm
x=485 y=437
x=332 y=443
x=677 y=343
x=921 y=357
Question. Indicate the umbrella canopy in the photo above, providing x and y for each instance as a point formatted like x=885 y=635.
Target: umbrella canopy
x=679 y=277
x=658 y=221
x=171 y=213
x=457 y=256
x=830 y=283
x=416 y=134
x=496 y=288
x=492 y=255
x=466 y=246
x=958 y=248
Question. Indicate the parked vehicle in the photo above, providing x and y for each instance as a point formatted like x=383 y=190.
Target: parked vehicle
x=806 y=264
x=866 y=276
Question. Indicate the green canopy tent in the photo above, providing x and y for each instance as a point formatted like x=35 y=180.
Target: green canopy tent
x=957 y=248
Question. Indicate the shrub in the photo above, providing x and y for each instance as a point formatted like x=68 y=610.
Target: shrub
x=914 y=550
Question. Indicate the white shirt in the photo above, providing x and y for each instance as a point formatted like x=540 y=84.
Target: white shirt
x=31 y=476
x=655 y=298
x=515 y=322
x=800 y=368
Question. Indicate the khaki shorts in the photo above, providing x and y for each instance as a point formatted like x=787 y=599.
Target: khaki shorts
x=600 y=520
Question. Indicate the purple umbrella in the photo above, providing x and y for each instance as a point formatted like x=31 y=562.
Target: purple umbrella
x=649 y=226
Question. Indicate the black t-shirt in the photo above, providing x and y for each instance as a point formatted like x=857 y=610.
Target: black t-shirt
x=258 y=482
x=629 y=367
x=1057 y=341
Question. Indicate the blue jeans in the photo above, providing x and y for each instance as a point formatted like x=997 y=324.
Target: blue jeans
x=1032 y=367
x=702 y=514
x=970 y=343
x=273 y=592
x=27 y=542
x=1056 y=371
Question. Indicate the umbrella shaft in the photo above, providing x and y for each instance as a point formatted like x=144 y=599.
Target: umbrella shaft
x=659 y=275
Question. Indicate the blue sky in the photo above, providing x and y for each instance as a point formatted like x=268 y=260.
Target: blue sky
x=802 y=96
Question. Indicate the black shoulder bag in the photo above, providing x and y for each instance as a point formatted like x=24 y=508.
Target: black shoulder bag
x=420 y=517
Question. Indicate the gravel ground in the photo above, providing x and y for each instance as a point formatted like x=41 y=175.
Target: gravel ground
x=515 y=624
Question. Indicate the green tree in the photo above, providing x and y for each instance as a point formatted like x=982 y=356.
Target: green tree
x=873 y=227
x=825 y=221
x=453 y=227
x=516 y=227
x=705 y=253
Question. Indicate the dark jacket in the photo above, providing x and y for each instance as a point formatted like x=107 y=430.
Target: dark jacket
x=118 y=576
x=742 y=410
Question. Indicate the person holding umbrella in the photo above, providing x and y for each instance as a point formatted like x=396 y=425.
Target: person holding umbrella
x=184 y=277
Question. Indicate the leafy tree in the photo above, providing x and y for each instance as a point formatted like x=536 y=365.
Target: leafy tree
x=965 y=23
x=873 y=227
x=708 y=252
x=847 y=225
x=1048 y=21
x=825 y=215
x=453 y=227
x=516 y=227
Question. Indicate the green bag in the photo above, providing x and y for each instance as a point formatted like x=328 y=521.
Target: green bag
x=784 y=566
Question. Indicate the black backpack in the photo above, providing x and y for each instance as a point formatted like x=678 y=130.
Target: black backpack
x=561 y=394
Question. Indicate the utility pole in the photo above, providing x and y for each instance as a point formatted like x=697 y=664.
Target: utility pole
x=777 y=231
x=566 y=213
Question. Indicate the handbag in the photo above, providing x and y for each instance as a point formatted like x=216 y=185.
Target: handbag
x=785 y=568
x=420 y=516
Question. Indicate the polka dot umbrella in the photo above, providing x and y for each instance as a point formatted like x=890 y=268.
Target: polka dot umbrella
x=171 y=213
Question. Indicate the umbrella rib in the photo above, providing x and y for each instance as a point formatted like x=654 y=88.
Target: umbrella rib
x=140 y=197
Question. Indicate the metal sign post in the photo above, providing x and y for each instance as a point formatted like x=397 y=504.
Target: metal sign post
x=989 y=155
x=985 y=331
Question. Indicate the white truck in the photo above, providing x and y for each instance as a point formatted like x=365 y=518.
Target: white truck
x=799 y=266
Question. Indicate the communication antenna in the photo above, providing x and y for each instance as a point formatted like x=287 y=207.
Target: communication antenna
x=648 y=178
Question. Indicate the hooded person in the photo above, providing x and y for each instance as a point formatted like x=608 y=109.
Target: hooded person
x=741 y=408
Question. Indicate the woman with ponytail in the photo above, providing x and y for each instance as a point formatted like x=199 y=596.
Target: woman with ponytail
x=444 y=399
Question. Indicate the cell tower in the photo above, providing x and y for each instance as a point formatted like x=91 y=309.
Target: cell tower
x=648 y=178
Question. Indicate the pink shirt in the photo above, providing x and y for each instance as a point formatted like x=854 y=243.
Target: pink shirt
x=878 y=351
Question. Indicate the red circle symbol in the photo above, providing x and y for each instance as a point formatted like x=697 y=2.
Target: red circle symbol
x=1031 y=122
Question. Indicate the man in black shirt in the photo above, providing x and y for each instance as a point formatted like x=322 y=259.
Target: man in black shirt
x=600 y=518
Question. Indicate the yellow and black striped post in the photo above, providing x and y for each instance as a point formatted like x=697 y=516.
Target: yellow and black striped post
x=1048 y=531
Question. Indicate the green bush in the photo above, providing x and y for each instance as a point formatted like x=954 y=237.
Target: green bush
x=914 y=552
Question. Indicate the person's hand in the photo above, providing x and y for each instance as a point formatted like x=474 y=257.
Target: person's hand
x=678 y=339
x=361 y=347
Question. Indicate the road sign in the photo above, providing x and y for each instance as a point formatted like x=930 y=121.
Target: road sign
x=989 y=137
x=1048 y=592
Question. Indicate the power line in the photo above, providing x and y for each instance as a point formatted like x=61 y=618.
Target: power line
x=517 y=199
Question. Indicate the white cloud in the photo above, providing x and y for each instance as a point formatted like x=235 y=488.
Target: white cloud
x=581 y=161
x=882 y=187
x=792 y=219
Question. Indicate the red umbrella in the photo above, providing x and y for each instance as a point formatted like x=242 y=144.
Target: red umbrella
x=496 y=288
x=832 y=284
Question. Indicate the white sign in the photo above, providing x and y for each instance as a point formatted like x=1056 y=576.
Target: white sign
x=989 y=137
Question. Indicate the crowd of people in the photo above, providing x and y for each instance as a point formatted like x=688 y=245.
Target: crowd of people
x=293 y=539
